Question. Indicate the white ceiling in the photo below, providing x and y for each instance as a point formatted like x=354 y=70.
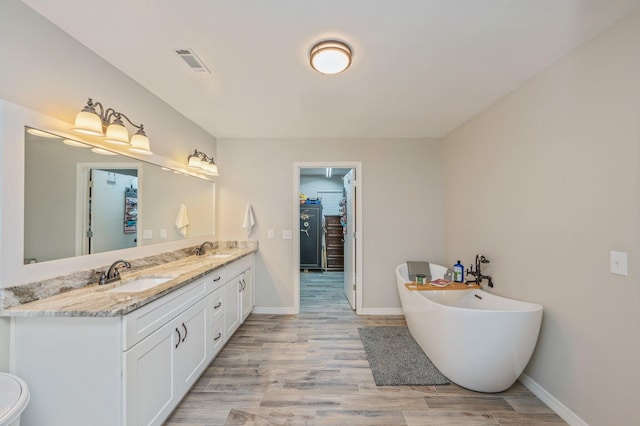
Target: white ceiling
x=420 y=68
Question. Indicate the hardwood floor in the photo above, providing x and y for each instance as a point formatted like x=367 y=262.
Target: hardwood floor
x=311 y=369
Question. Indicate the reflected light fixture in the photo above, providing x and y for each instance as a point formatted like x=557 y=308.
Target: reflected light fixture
x=330 y=57
x=76 y=144
x=200 y=160
x=101 y=151
x=108 y=123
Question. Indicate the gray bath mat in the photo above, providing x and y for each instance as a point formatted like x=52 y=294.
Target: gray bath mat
x=396 y=359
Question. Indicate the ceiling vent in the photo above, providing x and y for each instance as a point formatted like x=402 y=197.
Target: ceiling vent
x=192 y=60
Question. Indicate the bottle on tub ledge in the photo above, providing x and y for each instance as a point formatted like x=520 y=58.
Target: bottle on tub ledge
x=458 y=272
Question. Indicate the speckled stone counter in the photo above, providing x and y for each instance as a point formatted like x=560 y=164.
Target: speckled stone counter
x=95 y=301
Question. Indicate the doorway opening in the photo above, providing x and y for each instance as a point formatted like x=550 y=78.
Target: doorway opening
x=108 y=207
x=327 y=231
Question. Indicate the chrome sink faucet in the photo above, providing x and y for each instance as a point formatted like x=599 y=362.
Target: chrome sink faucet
x=112 y=273
x=202 y=249
x=478 y=272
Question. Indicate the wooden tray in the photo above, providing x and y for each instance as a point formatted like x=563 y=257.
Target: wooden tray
x=453 y=286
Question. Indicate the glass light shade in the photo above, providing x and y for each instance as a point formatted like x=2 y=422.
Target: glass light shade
x=41 y=133
x=330 y=57
x=195 y=161
x=117 y=134
x=76 y=144
x=140 y=144
x=88 y=123
x=212 y=168
x=102 y=151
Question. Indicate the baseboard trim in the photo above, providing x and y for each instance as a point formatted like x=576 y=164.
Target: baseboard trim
x=558 y=407
x=273 y=311
x=381 y=311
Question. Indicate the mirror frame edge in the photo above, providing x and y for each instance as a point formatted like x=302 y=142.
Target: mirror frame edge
x=13 y=121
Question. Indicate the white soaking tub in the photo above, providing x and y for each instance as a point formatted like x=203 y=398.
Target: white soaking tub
x=480 y=341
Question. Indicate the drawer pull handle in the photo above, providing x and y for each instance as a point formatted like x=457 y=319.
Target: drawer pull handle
x=218 y=305
x=217 y=279
x=185 y=331
x=244 y=284
x=217 y=337
x=179 y=338
x=240 y=286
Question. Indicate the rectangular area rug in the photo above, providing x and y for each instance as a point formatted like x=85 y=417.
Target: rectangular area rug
x=397 y=360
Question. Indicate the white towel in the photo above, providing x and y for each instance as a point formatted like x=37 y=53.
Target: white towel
x=182 y=221
x=249 y=221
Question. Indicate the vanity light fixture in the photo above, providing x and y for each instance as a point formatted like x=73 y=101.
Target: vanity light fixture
x=108 y=123
x=200 y=160
x=330 y=57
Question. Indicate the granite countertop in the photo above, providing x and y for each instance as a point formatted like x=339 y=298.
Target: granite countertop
x=95 y=301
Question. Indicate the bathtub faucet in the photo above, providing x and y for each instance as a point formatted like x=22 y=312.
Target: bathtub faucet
x=477 y=274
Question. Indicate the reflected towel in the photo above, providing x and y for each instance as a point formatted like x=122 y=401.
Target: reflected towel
x=249 y=221
x=182 y=221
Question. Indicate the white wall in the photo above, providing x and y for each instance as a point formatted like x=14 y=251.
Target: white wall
x=310 y=185
x=48 y=71
x=45 y=70
x=545 y=183
x=402 y=206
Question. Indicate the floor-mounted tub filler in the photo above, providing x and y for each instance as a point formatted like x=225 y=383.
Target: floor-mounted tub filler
x=480 y=341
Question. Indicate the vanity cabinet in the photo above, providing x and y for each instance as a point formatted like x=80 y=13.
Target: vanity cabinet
x=132 y=369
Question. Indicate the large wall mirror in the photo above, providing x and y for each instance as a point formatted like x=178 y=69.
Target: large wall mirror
x=81 y=200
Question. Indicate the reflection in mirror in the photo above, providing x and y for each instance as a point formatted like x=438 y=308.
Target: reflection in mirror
x=81 y=200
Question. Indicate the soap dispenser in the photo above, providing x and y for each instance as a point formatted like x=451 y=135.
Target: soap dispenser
x=458 y=272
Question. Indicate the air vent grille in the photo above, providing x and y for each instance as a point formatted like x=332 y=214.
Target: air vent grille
x=191 y=59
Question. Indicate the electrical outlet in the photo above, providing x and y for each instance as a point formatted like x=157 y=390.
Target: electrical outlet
x=287 y=234
x=271 y=234
x=147 y=234
x=163 y=233
x=618 y=262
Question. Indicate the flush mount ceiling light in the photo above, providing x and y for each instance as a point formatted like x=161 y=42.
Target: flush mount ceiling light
x=108 y=123
x=330 y=57
x=200 y=160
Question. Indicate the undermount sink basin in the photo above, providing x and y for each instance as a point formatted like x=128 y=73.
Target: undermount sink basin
x=220 y=255
x=141 y=284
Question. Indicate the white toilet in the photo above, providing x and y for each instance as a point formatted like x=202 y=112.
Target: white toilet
x=14 y=397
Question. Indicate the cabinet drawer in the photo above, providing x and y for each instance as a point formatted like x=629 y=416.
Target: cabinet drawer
x=237 y=267
x=142 y=322
x=215 y=279
x=334 y=232
x=216 y=305
x=334 y=241
x=339 y=252
x=216 y=337
x=332 y=220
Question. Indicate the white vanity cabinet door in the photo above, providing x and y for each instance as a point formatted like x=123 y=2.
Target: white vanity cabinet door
x=160 y=369
x=247 y=294
x=150 y=394
x=232 y=300
x=191 y=354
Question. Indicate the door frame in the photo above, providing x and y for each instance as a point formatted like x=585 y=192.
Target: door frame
x=297 y=166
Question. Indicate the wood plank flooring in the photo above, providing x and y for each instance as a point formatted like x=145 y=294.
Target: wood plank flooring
x=311 y=369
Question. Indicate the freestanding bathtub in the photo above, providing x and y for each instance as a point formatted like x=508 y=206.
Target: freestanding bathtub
x=480 y=341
